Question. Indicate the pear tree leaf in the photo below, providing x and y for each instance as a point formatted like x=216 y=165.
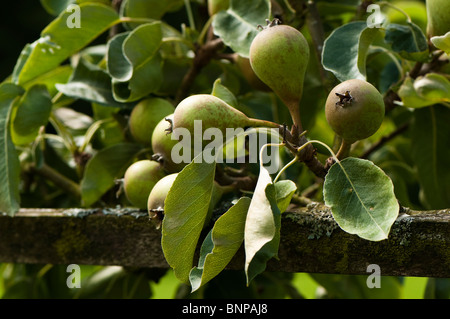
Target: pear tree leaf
x=434 y=87
x=410 y=97
x=150 y=9
x=221 y=244
x=426 y=90
x=59 y=75
x=430 y=153
x=237 y=26
x=185 y=211
x=345 y=50
x=58 y=41
x=223 y=93
x=32 y=112
x=55 y=7
x=9 y=163
x=118 y=66
x=284 y=192
x=139 y=65
x=361 y=197
x=90 y=83
x=408 y=40
x=104 y=168
x=262 y=227
x=442 y=42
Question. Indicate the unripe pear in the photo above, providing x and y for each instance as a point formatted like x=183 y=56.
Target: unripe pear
x=162 y=145
x=354 y=109
x=158 y=195
x=279 y=55
x=156 y=198
x=438 y=17
x=139 y=179
x=213 y=113
x=144 y=117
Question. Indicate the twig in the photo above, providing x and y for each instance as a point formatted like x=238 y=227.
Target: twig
x=203 y=55
x=115 y=29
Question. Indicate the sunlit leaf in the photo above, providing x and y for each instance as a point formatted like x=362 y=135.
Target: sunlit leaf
x=221 y=244
x=430 y=151
x=150 y=9
x=237 y=26
x=185 y=210
x=442 y=42
x=361 y=197
x=345 y=50
x=262 y=227
x=90 y=83
x=58 y=41
x=9 y=163
x=135 y=63
x=32 y=112
x=284 y=192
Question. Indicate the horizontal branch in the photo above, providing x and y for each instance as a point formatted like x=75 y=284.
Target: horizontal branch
x=311 y=241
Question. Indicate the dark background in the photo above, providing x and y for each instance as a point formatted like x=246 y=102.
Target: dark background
x=20 y=23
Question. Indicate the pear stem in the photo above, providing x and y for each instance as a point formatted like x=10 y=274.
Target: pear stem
x=344 y=150
x=294 y=109
x=263 y=123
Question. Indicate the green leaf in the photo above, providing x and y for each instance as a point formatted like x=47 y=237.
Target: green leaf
x=442 y=42
x=408 y=40
x=426 y=90
x=361 y=197
x=90 y=83
x=150 y=9
x=32 y=112
x=409 y=96
x=430 y=152
x=185 y=210
x=262 y=227
x=345 y=50
x=9 y=163
x=50 y=79
x=284 y=190
x=434 y=87
x=237 y=26
x=223 y=93
x=55 y=7
x=142 y=74
x=221 y=244
x=104 y=168
x=118 y=66
x=58 y=42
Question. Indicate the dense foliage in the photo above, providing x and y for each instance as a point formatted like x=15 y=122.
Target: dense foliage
x=85 y=99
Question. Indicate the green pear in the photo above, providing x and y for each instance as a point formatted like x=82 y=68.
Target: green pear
x=438 y=14
x=279 y=55
x=213 y=113
x=162 y=145
x=157 y=196
x=354 y=109
x=144 y=117
x=139 y=179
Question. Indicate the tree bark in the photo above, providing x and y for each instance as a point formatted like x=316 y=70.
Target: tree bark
x=311 y=241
